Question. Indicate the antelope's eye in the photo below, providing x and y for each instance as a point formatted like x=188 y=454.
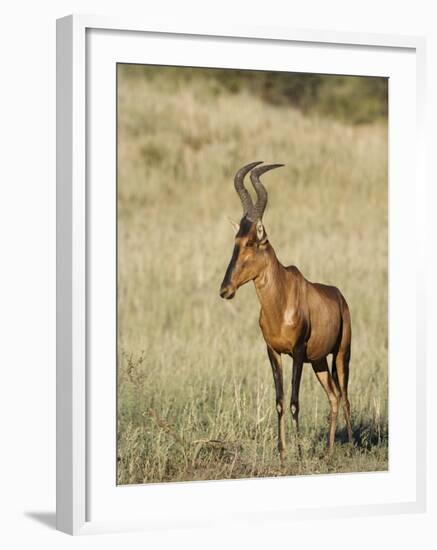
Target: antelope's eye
x=249 y=243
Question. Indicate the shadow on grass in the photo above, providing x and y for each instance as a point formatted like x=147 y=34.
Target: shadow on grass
x=365 y=436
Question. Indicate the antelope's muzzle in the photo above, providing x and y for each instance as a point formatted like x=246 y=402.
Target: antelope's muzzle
x=227 y=292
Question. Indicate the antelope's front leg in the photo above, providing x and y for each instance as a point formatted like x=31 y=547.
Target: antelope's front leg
x=276 y=363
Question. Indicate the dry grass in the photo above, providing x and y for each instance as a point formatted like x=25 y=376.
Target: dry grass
x=195 y=391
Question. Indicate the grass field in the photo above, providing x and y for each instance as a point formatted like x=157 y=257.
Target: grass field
x=195 y=391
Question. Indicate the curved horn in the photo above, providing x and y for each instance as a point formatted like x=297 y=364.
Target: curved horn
x=243 y=193
x=261 y=191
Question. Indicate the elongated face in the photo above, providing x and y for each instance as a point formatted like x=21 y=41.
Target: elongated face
x=248 y=257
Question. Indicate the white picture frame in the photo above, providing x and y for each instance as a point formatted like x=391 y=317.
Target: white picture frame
x=77 y=372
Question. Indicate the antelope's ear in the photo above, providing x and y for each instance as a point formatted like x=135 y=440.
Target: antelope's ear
x=259 y=230
x=235 y=225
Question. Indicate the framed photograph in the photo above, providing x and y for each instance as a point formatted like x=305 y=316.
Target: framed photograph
x=240 y=221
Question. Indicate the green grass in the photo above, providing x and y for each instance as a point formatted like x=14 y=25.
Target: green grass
x=195 y=390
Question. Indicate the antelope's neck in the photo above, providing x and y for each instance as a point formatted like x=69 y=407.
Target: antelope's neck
x=271 y=287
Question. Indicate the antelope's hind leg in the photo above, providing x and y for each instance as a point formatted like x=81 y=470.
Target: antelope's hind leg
x=323 y=375
x=276 y=364
x=340 y=373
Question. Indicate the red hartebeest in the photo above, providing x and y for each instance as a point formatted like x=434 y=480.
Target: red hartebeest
x=305 y=320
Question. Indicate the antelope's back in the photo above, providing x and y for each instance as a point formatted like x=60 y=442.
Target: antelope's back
x=325 y=305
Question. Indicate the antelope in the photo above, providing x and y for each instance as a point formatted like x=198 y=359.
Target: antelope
x=307 y=321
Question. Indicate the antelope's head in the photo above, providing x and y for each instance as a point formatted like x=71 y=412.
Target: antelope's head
x=249 y=255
